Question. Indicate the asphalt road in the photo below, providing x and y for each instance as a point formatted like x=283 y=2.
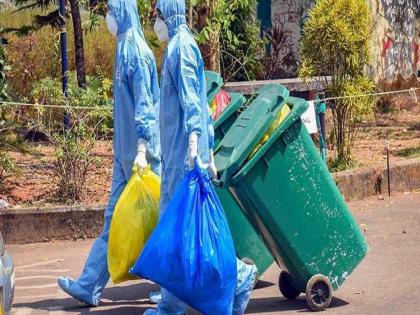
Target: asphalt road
x=387 y=281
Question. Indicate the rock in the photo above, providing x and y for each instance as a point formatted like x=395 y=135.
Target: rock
x=4 y=204
x=363 y=227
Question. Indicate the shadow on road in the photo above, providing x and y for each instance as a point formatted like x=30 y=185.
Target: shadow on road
x=126 y=310
x=261 y=284
x=132 y=299
x=280 y=304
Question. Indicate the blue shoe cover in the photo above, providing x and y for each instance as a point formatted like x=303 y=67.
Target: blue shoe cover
x=155 y=297
x=74 y=290
x=247 y=275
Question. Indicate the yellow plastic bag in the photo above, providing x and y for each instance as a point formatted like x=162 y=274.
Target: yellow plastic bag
x=281 y=116
x=135 y=216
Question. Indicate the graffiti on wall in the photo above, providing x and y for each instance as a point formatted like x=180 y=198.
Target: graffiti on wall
x=400 y=45
x=288 y=16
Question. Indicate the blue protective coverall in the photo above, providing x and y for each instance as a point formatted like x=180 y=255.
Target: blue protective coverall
x=136 y=112
x=183 y=110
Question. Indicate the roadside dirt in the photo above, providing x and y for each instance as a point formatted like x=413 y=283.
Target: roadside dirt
x=400 y=130
x=34 y=185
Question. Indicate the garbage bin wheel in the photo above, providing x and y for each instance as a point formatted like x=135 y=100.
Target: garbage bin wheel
x=249 y=261
x=318 y=293
x=286 y=286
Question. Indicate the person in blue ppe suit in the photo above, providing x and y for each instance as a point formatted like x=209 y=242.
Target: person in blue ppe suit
x=186 y=130
x=136 y=134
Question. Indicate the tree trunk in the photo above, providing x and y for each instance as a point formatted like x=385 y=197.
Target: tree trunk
x=190 y=14
x=78 y=43
x=210 y=50
x=213 y=62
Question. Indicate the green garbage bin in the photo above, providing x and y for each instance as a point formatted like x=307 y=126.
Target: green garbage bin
x=214 y=83
x=291 y=199
x=248 y=242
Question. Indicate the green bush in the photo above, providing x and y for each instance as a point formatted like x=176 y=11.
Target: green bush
x=73 y=159
x=10 y=141
x=336 y=42
x=4 y=68
x=241 y=56
x=32 y=57
x=8 y=138
x=228 y=35
x=96 y=97
x=73 y=146
x=37 y=55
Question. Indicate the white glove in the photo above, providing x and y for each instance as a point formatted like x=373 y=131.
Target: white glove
x=192 y=148
x=141 y=161
x=212 y=167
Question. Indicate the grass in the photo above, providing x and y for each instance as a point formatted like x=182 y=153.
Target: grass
x=409 y=152
x=338 y=165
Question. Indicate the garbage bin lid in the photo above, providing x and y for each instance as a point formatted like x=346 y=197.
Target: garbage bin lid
x=214 y=83
x=248 y=129
x=236 y=101
x=298 y=107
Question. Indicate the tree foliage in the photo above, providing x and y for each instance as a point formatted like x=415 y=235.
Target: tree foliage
x=228 y=34
x=9 y=135
x=241 y=43
x=336 y=43
x=9 y=141
x=336 y=39
x=52 y=18
x=4 y=68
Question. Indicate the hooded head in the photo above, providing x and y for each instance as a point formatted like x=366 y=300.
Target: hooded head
x=125 y=13
x=173 y=12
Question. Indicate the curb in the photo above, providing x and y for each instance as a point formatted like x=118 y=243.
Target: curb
x=359 y=184
x=33 y=225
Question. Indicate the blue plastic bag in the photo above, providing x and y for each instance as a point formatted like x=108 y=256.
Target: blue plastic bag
x=191 y=252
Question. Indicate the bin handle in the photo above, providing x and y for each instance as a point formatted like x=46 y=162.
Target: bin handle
x=214 y=86
x=217 y=182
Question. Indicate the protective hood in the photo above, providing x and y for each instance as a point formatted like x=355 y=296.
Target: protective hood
x=126 y=14
x=173 y=12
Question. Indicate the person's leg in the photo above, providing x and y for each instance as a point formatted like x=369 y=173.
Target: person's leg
x=246 y=280
x=89 y=287
x=155 y=296
x=155 y=166
x=168 y=305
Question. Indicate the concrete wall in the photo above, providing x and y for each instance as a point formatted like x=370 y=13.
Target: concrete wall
x=290 y=15
x=395 y=34
x=396 y=38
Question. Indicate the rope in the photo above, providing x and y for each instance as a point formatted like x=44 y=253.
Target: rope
x=4 y=103
x=412 y=91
